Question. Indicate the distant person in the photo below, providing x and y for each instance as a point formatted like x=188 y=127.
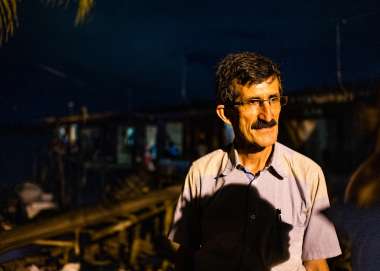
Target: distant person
x=359 y=217
x=363 y=188
x=218 y=226
x=172 y=150
x=149 y=158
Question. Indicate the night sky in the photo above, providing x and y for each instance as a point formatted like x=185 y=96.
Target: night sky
x=134 y=54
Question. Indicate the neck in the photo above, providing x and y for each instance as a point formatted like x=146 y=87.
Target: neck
x=255 y=161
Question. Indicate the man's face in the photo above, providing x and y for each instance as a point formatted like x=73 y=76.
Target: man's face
x=257 y=125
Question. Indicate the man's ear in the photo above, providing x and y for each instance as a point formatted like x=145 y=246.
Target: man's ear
x=222 y=114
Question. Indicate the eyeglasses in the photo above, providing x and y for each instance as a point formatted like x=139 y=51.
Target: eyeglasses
x=274 y=101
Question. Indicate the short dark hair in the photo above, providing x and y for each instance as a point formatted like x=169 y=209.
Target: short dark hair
x=246 y=68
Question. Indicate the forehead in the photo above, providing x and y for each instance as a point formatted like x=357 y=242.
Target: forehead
x=270 y=86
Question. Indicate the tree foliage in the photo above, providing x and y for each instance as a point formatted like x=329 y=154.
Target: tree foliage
x=9 y=20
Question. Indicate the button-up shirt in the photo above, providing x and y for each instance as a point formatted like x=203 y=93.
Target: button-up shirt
x=271 y=220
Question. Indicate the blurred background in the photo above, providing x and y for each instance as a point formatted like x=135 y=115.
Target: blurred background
x=106 y=103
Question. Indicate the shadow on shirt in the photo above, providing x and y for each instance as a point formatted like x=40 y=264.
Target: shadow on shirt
x=234 y=229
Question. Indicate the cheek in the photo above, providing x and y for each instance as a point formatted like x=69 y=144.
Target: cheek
x=276 y=115
x=246 y=123
x=249 y=117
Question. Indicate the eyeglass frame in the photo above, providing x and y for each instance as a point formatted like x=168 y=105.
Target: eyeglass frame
x=283 y=100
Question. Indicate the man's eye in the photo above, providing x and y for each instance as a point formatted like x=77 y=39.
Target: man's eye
x=274 y=99
x=254 y=101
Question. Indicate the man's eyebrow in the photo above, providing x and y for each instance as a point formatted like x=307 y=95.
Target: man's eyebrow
x=269 y=96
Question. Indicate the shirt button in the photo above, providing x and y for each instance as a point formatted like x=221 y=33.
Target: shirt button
x=252 y=216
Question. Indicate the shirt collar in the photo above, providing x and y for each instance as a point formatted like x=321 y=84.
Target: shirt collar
x=277 y=161
x=274 y=166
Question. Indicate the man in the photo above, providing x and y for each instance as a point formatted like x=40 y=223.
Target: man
x=254 y=205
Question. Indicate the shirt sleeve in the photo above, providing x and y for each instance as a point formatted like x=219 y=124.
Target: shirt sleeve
x=320 y=239
x=185 y=229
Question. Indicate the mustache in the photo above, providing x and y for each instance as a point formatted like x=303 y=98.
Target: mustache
x=260 y=124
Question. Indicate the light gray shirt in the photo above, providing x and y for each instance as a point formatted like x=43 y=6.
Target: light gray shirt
x=291 y=184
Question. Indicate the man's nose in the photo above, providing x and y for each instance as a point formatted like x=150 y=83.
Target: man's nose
x=266 y=112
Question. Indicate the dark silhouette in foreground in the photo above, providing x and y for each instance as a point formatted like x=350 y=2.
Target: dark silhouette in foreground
x=238 y=231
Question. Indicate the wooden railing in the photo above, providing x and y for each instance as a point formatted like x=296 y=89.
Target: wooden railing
x=97 y=223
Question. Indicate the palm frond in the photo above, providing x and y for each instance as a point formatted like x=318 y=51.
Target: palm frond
x=83 y=10
x=8 y=19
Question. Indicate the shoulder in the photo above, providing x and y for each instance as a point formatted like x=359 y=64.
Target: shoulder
x=364 y=184
x=211 y=164
x=204 y=170
x=297 y=164
x=294 y=158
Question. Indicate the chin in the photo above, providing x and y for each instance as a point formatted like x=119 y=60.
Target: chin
x=267 y=142
x=259 y=145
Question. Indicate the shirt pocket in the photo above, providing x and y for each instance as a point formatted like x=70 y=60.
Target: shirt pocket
x=296 y=235
x=296 y=218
